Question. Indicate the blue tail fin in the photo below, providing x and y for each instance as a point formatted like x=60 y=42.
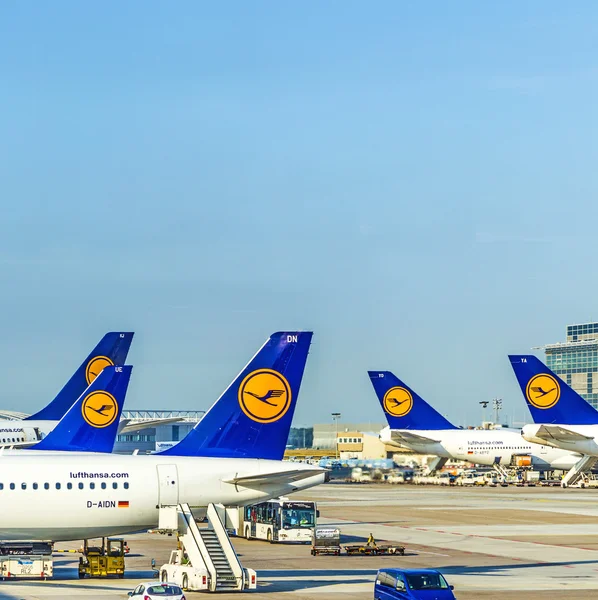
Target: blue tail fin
x=548 y=397
x=403 y=408
x=253 y=416
x=111 y=350
x=91 y=424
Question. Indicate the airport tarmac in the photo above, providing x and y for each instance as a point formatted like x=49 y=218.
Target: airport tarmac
x=491 y=543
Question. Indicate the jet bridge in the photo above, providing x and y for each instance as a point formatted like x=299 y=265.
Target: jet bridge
x=207 y=559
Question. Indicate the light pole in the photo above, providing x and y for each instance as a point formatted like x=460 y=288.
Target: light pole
x=335 y=417
x=497 y=405
x=484 y=404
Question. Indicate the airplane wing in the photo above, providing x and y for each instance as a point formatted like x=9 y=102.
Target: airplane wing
x=410 y=438
x=560 y=434
x=129 y=425
x=278 y=477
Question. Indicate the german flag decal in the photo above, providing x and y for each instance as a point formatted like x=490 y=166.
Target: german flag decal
x=123 y=504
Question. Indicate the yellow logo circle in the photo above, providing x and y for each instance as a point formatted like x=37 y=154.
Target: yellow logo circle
x=100 y=409
x=543 y=391
x=265 y=396
x=398 y=401
x=95 y=367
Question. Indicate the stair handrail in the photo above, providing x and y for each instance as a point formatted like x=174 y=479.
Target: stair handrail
x=186 y=516
x=215 y=523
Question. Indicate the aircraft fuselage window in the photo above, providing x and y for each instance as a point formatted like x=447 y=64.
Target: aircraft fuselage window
x=69 y=485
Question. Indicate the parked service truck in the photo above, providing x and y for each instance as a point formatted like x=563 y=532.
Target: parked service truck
x=179 y=570
x=26 y=560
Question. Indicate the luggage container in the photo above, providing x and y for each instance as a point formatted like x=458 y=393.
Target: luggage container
x=326 y=540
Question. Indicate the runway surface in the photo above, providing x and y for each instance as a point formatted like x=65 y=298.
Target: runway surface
x=491 y=543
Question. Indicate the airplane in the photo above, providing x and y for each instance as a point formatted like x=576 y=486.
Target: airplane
x=60 y=496
x=562 y=418
x=25 y=431
x=112 y=349
x=414 y=424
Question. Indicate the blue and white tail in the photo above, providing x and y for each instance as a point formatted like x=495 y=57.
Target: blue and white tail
x=253 y=416
x=111 y=350
x=548 y=397
x=403 y=408
x=91 y=424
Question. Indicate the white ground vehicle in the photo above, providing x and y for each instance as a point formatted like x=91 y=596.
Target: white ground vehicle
x=278 y=520
x=589 y=481
x=471 y=478
x=444 y=479
x=151 y=590
x=26 y=560
x=15 y=566
x=360 y=475
x=180 y=570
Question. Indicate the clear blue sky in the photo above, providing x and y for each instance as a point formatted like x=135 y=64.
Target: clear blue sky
x=416 y=182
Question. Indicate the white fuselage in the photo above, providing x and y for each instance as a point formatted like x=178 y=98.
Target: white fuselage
x=584 y=446
x=482 y=447
x=68 y=496
x=15 y=432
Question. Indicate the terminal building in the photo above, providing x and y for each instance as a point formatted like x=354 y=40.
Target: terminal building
x=575 y=361
x=325 y=434
x=175 y=426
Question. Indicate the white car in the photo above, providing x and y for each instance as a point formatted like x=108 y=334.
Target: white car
x=152 y=590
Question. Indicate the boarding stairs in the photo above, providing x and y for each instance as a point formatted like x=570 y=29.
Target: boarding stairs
x=577 y=471
x=209 y=548
x=501 y=470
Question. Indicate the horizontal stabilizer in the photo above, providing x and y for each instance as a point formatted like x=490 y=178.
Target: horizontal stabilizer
x=278 y=477
x=560 y=434
x=130 y=425
x=411 y=438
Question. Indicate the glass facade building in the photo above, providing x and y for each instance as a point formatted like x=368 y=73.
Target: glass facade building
x=576 y=360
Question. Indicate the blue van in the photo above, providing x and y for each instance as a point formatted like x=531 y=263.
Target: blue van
x=412 y=584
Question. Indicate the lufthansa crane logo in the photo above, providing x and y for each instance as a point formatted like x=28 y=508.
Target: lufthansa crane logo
x=265 y=396
x=100 y=409
x=398 y=401
x=95 y=367
x=543 y=391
